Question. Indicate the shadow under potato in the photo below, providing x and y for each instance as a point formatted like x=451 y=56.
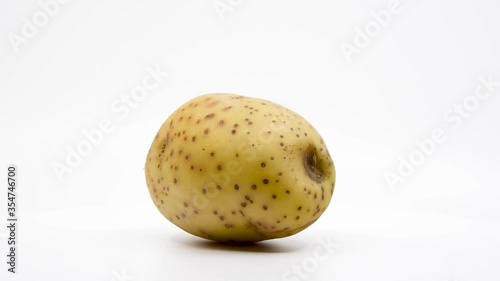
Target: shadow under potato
x=272 y=246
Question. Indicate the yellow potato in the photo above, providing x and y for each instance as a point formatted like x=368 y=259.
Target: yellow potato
x=231 y=168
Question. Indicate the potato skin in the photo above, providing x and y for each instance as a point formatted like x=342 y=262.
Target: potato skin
x=231 y=168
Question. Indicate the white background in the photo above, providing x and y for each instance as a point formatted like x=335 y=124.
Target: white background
x=99 y=223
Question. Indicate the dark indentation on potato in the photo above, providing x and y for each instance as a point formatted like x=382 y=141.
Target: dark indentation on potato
x=167 y=141
x=314 y=165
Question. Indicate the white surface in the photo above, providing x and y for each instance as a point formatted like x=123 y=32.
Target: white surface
x=98 y=223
